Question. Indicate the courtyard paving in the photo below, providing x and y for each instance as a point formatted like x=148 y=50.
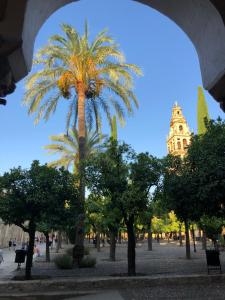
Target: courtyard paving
x=166 y=261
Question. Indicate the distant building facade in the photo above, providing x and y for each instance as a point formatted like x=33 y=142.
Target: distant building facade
x=179 y=135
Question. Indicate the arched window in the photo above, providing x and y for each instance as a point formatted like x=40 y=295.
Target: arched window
x=180 y=128
x=179 y=145
x=184 y=143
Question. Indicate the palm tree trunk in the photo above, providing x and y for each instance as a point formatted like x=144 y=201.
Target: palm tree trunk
x=79 y=243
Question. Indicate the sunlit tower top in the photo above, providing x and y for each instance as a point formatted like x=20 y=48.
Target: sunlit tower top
x=179 y=135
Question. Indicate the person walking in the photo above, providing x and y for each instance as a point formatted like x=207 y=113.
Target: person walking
x=10 y=244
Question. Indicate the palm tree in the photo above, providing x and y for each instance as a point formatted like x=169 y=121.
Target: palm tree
x=67 y=146
x=90 y=76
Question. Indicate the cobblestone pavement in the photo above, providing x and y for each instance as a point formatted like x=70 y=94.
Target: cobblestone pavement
x=165 y=259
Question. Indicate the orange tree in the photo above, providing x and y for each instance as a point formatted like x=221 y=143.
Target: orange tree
x=125 y=178
x=29 y=197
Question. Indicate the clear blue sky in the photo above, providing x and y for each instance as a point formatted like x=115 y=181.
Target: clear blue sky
x=148 y=39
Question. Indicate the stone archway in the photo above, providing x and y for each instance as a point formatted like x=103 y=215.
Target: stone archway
x=202 y=20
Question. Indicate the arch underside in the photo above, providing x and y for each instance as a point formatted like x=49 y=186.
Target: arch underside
x=202 y=20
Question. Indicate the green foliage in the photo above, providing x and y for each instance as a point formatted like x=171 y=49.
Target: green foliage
x=195 y=186
x=180 y=189
x=122 y=178
x=213 y=226
x=203 y=114
x=70 y=61
x=64 y=261
x=38 y=194
x=166 y=223
x=96 y=213
x=171 y=223
x=87 y=262
x=67 y=146
x=35 y=199
x=207 y=161
x=106 y=177
x=157 y=225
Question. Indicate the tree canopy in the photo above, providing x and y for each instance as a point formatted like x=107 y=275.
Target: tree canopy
x=37 y=195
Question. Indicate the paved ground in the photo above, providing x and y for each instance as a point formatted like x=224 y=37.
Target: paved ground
x=8 y=268
x=165 y=260
x=187 y=292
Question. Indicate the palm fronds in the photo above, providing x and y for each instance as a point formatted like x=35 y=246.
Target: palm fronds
x=70 y=59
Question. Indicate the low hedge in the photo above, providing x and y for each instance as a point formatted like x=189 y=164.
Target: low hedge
x=64 y=261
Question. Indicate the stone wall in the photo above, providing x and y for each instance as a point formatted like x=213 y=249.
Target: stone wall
x=12 y=232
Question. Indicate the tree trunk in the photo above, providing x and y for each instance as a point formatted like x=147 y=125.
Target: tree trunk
x=168 y=238
x=119 y=237
x=131 y=247
x=112 y=253
x=157 y=238
x=79 y=243
x=193 y=238
x=98 y=241
x=188 y=250
x=150 y=236
x=204 y=239
x=180 y=236
x=30 y=251
x=47 y=251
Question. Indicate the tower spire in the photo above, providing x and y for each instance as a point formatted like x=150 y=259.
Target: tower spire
x=179 y=134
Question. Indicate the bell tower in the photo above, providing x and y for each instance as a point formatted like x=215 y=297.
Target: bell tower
x=179 y=135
